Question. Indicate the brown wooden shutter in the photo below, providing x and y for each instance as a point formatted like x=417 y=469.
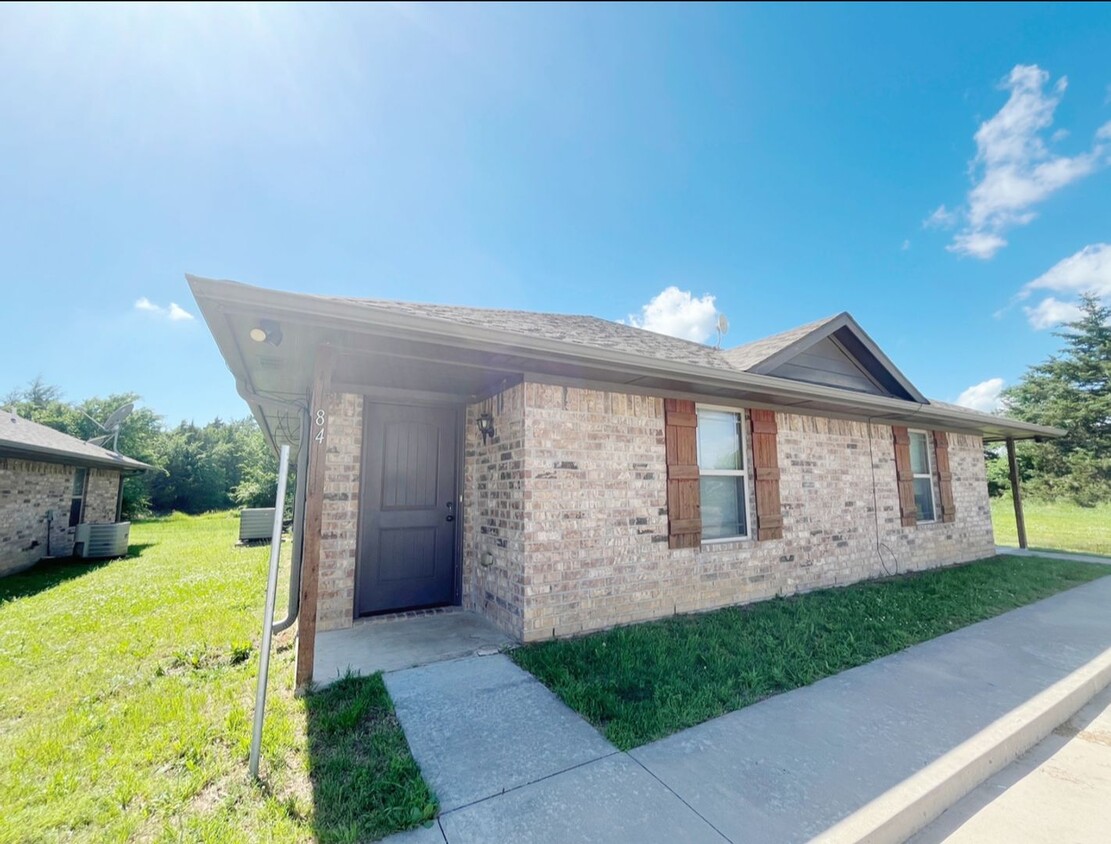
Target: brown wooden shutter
x=904 y=476
x=944 y=478
x=765 y=469
x=684 y=515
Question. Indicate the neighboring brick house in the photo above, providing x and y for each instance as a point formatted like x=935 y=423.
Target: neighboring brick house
x=561 y=474
x=51 y=482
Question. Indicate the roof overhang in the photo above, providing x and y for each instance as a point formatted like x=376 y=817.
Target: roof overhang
x=473 y=360
x=41 y=454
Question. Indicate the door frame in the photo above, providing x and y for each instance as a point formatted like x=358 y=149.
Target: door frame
x=414 y=398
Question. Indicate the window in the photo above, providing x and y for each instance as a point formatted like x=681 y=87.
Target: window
x=77 y=502
x=923 y=475
x=722 y=478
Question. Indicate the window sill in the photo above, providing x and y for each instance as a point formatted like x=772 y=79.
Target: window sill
x=728 y=540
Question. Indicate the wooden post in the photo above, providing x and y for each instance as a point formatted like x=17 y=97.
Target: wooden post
x=314 y=506
x=1016 y=492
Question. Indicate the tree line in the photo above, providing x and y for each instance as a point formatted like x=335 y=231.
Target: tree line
x=197 y=467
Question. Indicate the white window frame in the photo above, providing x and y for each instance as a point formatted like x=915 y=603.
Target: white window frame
x=742 y=473
x=79 y=495
x=928 y=476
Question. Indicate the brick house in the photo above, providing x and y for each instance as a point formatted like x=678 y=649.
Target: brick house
x=50 y=483
x=561 y=474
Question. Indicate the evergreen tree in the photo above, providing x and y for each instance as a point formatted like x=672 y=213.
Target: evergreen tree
x=1071 y=390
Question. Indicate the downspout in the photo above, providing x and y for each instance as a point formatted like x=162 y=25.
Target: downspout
x=298 y=543
x=298 y=527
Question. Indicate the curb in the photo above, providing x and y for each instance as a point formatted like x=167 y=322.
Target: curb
x=900 y=812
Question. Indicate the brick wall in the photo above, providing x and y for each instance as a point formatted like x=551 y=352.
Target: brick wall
x=494 y=496
x=100 y=496
x=596 y=520
x=27 y=490
x=565 y=514
x=340 y=513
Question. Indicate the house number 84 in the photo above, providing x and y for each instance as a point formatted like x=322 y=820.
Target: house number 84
x=320 y=424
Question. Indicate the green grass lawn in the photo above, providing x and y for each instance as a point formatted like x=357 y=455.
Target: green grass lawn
x=1058 y=526
x=126 y=695
x=646 y=681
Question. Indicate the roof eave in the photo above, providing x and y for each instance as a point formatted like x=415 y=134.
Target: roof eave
x=42 y=454
x=214 y=296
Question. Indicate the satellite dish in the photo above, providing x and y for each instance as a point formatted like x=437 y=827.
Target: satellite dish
x=111 y=426
x=722 y=327
x=118 y=415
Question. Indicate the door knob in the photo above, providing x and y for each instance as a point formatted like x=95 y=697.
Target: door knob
x=449 y=518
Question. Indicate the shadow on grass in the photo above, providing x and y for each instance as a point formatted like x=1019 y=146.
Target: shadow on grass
x=45 y=575
x=365 y=782
x=50 y=573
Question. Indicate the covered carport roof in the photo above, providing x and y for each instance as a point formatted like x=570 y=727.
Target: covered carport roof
x=469 y=353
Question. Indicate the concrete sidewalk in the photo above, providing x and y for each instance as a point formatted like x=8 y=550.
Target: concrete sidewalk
x=511 y=763
x=1053 y=555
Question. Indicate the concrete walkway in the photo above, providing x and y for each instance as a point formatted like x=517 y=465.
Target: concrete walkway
x=510 y=762
x=1059 y=791
x=1053 y=555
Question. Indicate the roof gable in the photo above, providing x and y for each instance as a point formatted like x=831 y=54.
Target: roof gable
x=834 y=352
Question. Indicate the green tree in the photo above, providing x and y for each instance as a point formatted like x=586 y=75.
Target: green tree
x=1071 y=390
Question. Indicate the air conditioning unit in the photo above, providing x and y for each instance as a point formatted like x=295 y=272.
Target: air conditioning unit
x=256 y=524
x=97 y=541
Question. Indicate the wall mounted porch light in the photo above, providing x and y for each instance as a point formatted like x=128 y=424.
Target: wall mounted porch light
x=267 y=331
x=485 y=424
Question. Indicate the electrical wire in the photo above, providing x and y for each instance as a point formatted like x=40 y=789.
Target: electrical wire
x=880 y=546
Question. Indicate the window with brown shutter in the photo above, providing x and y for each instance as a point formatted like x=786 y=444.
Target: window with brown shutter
x=714 y=486
x=904 y=476
x=684 y=520
x=944 y=477
x=765 y=470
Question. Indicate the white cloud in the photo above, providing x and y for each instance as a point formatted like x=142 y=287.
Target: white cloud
x=942 y=218
x=983 y=396
x=174 y=313
x=977 y=244
x=1088 y=271
x=906 y=245
x=1050 y=312
x=1014 y=169
x=677 y=313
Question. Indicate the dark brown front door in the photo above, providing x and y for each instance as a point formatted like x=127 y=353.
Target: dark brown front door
x=409 y=508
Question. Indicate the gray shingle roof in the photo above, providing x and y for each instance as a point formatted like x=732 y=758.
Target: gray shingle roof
x=26 y=439
x=581 y=330
x=600 y=333
x=752 y=354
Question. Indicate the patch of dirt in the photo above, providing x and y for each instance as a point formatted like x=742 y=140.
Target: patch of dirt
x=1096 y=737
x=208 y=798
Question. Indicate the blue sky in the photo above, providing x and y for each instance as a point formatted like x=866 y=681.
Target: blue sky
x=943 y=173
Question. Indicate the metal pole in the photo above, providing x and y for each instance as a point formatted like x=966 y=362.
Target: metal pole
x=298 y=543
x=268 y=612
x=1016 y=492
